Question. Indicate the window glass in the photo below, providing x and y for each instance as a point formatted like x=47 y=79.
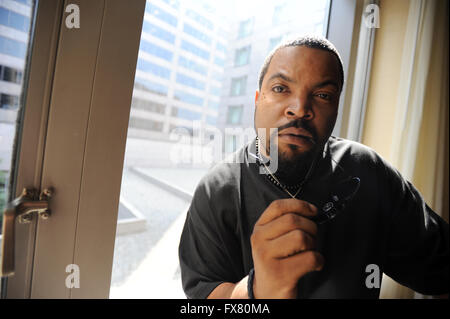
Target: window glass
x=192 y=48
x=196 y=33
x=161 y=14
x=245 y=28
x=242 y=56
x=188 y=98
x=238 y=86
x=192 y=65
x=234 y=114
x=189 y=81
x=15 y=38
x=190 y=87
x=158 y=32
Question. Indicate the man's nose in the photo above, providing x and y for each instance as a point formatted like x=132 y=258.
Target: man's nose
x=299 y=107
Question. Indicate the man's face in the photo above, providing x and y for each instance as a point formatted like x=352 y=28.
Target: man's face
x=299 y=96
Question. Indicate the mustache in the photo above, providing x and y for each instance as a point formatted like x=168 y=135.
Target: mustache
x=299 y=123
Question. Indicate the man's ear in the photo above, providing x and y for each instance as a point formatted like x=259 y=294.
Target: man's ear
x=256 y=96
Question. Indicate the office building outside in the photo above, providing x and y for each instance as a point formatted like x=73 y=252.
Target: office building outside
x=252 y=38
x=180 y=68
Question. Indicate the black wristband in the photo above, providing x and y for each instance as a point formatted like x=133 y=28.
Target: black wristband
x=251 y=276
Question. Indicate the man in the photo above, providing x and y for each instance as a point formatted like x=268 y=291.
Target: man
x=257 y=235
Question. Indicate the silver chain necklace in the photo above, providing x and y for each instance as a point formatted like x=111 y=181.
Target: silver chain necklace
x=275 y=180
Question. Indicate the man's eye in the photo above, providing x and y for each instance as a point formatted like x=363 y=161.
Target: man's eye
x=324 y=96
x=279 y=89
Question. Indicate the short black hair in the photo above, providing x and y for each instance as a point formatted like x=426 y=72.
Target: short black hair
x=309 y=41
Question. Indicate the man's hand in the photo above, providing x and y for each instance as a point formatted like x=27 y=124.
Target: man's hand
x=283 y=243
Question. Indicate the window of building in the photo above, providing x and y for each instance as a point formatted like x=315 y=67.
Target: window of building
x=192 y=48
x=173 y=3
x=153 y=68
x=147 y=105
x=156 y=50
x=187 y=80
x=185 y=114
x=200 y=19
x=217 y=76
x=211 y=120
x=273 y=42
x=230 y=143
x=188 y=98
x=145 y=124
x=245 y=28
x=242 y=56
x=158 y=32
x=14 y=20
x=238 y=86
x=219 y=61
x=278 y=13
x=192 y=65
x=234 y=114
x=215 y=90
x=213 y=105
x=8 y=101
x=196 y=34
x=13 y=47
x=10 y=74
x=161 y=14
x=150 y=86
x=221 y=47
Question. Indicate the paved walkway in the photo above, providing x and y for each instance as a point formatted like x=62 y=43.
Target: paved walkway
x=146 y=263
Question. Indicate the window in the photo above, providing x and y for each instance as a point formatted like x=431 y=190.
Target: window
x=211 y=120
x=234 y=114
x=217 y=76
x=230 y=143
x=273 y=42
x=192 y=65
x=196 y=33
x=153 y=68
x=238 y=86
x=192 y=48
x=158 y=32
x=245 y=28
x=221 y=47
x=185 y=114
x=187 y=80
x=219 y=61
x=278 y=13
x=156 y=50
x=200 y=19
x=145 y=124
x=173 y=3
x=215 y=90
x=147 y=105
x=213 y=105
x=8 y=101
x=242 y=56
x=13 y=47
x=150 y=86
x=188 y=98
x=161 y=14
x=14 y=20
x=10 y=74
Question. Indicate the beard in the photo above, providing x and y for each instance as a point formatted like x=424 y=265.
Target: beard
x=293 y=169
x=293 y=166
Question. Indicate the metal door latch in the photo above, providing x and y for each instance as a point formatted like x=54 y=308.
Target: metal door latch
x=22 y=208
